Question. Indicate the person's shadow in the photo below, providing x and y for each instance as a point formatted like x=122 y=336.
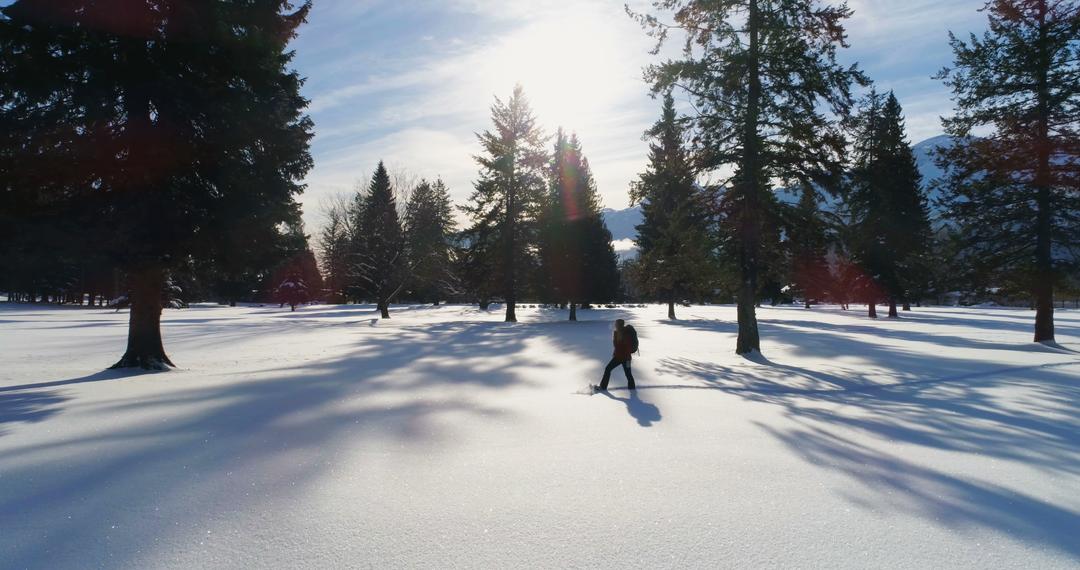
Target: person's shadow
x=645 y=413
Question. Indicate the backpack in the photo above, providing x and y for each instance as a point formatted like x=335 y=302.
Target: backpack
x=632 y=333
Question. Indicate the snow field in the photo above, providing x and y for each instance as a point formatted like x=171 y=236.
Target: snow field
x=445 y=438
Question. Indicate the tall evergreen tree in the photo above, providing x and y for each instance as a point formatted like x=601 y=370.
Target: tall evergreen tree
x=1015 y=164
x=333 y=247
x=807 y=245
x=379 y=262
x=172 y=122
x=761 y=73
x=508 y=196
x=578 y=264
x=429 y=242
x=890 y=228
x=673 y=239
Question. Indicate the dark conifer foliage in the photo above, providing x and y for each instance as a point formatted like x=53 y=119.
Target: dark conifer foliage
x=890 y=228
x=333 y=248
x=578 y=264
x=379 y=265
x=477 y=261
x=171 y=123
x=760 y=73
x=302 y=266
x=807 y=244
x=430 y=243
x=506 y=203
x=245 y=263
x=292 y=291
x=674 y=242
x=1015 y=166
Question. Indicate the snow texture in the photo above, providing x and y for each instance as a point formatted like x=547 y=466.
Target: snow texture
x=327 y=438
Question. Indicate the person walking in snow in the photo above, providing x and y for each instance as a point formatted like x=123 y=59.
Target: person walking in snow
x=625 y=341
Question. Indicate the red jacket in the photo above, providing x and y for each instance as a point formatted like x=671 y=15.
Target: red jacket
x=623 y=346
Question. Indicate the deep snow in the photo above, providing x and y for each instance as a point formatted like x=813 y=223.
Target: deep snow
x=444 y=438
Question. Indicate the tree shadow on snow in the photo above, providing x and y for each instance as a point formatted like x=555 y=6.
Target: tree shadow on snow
x=406 y=386
x=885 y=481
x=28 y=407
x=102 y=376
x=1027 y=414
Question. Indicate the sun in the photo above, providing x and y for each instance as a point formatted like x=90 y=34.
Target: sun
x=569 y=65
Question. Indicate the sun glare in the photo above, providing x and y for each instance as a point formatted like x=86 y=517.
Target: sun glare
x=569 y=67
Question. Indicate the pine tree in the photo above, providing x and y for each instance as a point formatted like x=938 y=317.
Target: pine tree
x=673 y=239
x=890 y=224
x=807 y=245
x=292 y=291
x=506 y=202
x=760 y=73
x=578 y=264
x=184 y=119
x=475 y=266
x=429 y=247
x=1015 y=163
x=302 y=265
x=379 y=263
x=334 y=241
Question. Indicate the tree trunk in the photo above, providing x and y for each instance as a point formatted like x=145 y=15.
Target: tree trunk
x=806 y=304
x=892 y=309
x=671 y=310
x=510 y=285
x=384 y=309
x=573 y=311
x=484 y=304
x=144 y=347
x=906 y=307
x=1044 y=264
x=749 y=340
x=872 y=311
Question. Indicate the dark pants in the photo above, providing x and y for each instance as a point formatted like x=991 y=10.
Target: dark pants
x=612 y=366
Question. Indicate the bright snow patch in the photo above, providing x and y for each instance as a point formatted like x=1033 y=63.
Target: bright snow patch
x=445 y=438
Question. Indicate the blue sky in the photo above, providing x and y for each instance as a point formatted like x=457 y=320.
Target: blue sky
x=411 y=82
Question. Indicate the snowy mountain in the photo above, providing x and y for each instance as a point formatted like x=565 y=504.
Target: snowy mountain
x=924 y=159
x=622 y=223
x=623 y=227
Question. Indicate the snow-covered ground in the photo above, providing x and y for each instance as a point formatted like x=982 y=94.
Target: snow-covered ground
x=445 y=438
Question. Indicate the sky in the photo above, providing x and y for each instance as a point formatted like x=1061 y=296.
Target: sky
x=411 y=82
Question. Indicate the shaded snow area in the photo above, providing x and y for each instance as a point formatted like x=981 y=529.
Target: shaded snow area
x=444 y=438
